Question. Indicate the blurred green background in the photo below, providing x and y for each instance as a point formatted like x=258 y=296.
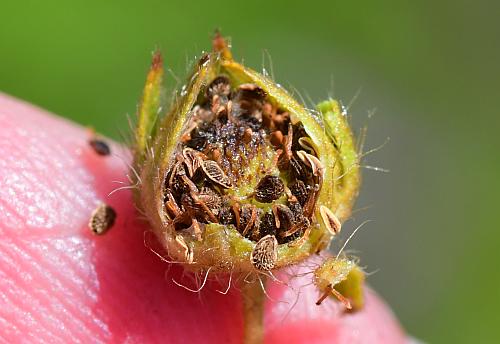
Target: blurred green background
x=430 y=68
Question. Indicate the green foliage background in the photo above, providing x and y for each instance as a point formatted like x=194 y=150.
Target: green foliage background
x=429 y=67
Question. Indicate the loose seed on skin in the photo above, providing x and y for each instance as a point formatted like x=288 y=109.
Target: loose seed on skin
x=331 y=221
x=102 y=219
x=100 y=147
x=265 y=253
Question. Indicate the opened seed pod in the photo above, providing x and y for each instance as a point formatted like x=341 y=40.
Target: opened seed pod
x=238 y=176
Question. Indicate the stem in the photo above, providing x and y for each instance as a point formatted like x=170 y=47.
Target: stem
x=253 y=312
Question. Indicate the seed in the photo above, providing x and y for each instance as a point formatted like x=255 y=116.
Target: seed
x=296 y=209
x=246 y=218
x=102 y=219
x=216 y=155
x=268 y=225
x=100 y=147
x=215 y=173
x=299 y=170
x=196 y=206
x=280 y=118
x=192 y=160
x=283 y=217
x=226 y=216
x=265 y=253
x=331 y=221
x=211 y=199
x=251 y=221
x=269 y=189
x=307 y=144
x=300 y=190
x=173 y=180
x=220 y=86
x=313 y=162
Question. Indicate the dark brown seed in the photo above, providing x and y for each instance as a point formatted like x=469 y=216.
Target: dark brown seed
x=269 y=189
x=303 y=234
x=296 y=210
x=300 y=190
x=226 y=216
x=298 y=169
x=100 y=147
x=247 y=219
x=215 y=173
x=283 y=217
x=292 y=222
x=174 y=181
x=102 y=219
x=267 y=225
x=265 y=253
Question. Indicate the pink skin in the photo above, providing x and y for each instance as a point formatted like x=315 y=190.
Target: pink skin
x=60 y=283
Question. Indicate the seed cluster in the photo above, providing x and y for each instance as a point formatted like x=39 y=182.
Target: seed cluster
x=241 y=162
